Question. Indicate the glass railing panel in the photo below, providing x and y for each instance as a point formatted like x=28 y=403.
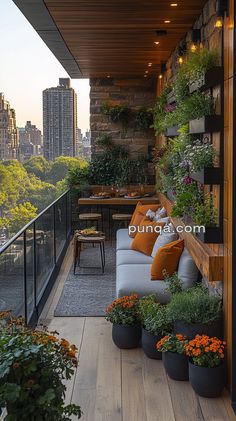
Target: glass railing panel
x=60 y=224
x=30 y=270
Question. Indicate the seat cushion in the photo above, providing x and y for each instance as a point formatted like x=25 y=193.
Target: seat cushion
x=123 y=240
x=187 y=270
x=136 y=279
x=132 y=257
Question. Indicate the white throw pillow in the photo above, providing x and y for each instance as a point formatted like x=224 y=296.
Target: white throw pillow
x=162 y=240
x=166 y=220
x=150 y=214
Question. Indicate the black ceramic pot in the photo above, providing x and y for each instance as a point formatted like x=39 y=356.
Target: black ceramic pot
x=125 y=336
x=207 y=382
x=190 y=330
x=176 y=365
x=149 y=342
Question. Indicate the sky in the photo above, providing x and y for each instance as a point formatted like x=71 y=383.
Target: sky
x=27 y=67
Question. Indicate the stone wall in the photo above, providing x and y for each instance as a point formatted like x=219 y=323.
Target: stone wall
x=135 y=93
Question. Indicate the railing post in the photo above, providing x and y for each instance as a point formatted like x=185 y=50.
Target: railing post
x=54 y=235
x=35 y=268
x=25 y=277
x=66 y=216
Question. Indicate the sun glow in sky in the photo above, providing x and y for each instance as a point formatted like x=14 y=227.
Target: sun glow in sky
x=27 y=67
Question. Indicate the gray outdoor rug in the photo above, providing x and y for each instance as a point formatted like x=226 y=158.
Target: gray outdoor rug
x=89 y=295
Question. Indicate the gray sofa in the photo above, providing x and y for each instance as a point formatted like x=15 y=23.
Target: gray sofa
x=133 y=271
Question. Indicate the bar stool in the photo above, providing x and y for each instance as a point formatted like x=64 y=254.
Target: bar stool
x=120 y=219
x=91 y=217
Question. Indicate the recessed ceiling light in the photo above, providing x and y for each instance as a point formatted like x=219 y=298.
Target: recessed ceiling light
x=145 y=76
x=108 y=76
x=174 y=4
x=157 y=42
x=146 y=71
x=149 y=64
x=167 y=21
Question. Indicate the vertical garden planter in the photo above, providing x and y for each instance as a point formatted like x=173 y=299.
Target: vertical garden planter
x=176 y=365
x=212 y=235
x=172 y=131
x=207 y=382
x=126 y=337
x=209 y=175
x=213 y=77
x=149 y=342
x=171 y=98
x=207 y=124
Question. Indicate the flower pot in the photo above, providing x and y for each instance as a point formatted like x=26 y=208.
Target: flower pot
x=126 y=337
x=213 y=77
x=207 y=382
x=149 y=342
x=190 y=330
x=212 y=235
x=208 y=175
x=176 y=365
x=207 y=124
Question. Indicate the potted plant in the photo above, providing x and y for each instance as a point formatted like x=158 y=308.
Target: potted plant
x=144 y=119
x=194 y=311
x=207 y=373
x=118 y=114
x=173 y=354
x=123 y=313
x=33 y=368
x=205 y=215
x=155 y=324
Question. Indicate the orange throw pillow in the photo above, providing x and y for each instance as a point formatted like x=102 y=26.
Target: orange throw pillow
x=167 y=258
x=139 y=212
x=144 y=241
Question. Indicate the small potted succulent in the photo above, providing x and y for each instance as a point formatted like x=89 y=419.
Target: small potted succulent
x=123 y=313
x=155 y=324
x=195 y=311
x=207 y=373
x=173 y=355
x=34 y=365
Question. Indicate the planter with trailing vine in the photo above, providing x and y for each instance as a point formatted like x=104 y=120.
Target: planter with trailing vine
x=212 y=235
x=149 y=345
x=208 y=176
x=213 y=77
x=207 y=124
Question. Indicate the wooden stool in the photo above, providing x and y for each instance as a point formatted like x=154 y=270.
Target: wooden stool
x=121 y=218
x=79 y=240
x=91 y=217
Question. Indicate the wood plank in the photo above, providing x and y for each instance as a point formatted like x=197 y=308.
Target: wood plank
x=214 y=409
x=117 y=201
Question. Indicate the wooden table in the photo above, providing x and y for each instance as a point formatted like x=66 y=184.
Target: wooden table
x=118 y=201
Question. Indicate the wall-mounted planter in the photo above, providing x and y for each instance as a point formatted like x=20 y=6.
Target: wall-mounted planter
x=171 y=98
x=172 y=131
x=210 y=176
x=213 y=77
x=212 y=235
x=207 y=124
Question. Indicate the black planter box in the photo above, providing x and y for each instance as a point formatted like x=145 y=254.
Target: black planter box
x=209 y=175
x=212 y=235
x=213 y=77
x=172 y=131
x=171 y=98
x=207 y=124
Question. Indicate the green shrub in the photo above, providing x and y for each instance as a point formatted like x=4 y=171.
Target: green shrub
x=157 y=321
x=195 y=305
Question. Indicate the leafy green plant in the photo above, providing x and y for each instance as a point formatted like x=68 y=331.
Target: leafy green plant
x=146 y=306
x=124 y=311
x=159 y=111
x=186 y=199
x=78 y=179
x=175 y=285
x=157 y=321
x=199 y=155
x=118 y=114
x=105 y=141
x=195 y=305
x=144 y=119
x=205 y=213
x=172 y=343
x=33 y=368
x=199 y=63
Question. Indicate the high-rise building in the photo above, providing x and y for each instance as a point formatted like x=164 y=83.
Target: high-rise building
x=59 y=120
x=9 y=136
x=30 y=138
x=78 y=143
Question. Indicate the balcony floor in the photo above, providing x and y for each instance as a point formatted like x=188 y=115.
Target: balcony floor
x=115 y=385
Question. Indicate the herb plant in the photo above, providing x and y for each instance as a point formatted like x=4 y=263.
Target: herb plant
x=173 y=282
x=205 y=213
x=156 y=320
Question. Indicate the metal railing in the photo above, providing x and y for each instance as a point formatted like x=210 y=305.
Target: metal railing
x=30 y=261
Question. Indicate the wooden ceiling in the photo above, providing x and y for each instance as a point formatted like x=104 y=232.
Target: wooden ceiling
x=98 y=38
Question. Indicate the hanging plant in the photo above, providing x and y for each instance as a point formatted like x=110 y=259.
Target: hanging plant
x=144 y=119
x=118 y=114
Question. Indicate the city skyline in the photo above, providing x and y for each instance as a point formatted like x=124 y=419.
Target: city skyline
x=26 y=59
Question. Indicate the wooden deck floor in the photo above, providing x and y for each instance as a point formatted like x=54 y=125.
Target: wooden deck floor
x=115 y=385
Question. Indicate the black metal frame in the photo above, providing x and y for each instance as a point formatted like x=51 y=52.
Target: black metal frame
x=39 y=302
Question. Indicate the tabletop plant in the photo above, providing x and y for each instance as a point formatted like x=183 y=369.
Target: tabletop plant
x=34 y=365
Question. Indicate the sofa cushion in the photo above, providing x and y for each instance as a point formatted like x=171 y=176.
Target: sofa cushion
x=136 y=279
x=167 y=258
x=146 y=237
x=187 y=270
x=143 y=209
x=136 y=220
x=162 y=240
x=123 y=240
x=132 y=257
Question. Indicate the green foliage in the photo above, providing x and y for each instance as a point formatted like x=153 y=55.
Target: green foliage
x=172 y=343
x=38 y=166
x=20 y=216
x=33 y=368
x=195 y=305
x=146 y=306
x=175 y=285
x=205 y=213
x=118 y=114
x=159 y=111
x=60 y=167
x=199 y=155
x=124 y=311
x=144 y=119
x=185 y=200
x=199 y=63
x=157 y=320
